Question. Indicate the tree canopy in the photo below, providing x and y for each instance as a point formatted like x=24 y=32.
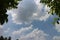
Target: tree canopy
x=5 y=38
x=54 y=7
x=4 y=5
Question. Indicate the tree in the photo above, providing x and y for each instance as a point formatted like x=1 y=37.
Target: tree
x=4 y=38
x=54 y=7
x=9 y=38
x=4 y=5
x=17 y=39
x=1 y=38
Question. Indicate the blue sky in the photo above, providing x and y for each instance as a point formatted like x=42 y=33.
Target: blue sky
x=31 y=21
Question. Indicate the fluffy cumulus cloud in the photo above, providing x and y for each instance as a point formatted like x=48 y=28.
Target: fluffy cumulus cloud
x=56 y=38
x=28 y=33
x=34 y=35
x=29 y=10
x=22 y=30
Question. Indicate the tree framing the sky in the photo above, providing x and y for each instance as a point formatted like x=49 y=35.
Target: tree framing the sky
x=54 y=7
x=4 y=5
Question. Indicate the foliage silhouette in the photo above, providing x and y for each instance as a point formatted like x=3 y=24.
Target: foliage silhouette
x=9 y=38
x=17 y=39
x=4 y=5
x=5 y=38
x=1 y=38
x=54 y=7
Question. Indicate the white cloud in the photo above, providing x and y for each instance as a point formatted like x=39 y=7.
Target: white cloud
x=57 y=27
x=29 y=10
x=28 y=33
x=22 y=30
x=1 y=26
x=1 y=30
x=35 y=35
x=44 y=17
x=6 y=31
x=56 y=38
x=24 y=12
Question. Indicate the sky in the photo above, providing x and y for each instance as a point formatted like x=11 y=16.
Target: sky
x=30 y=21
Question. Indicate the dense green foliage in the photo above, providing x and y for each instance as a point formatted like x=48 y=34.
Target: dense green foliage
x=54 y=6
x=4 y=5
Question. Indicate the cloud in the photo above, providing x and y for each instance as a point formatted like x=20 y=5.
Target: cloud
x=1 y=26
x=35 y=35
x=22 y=30
x=6 y=31
x=28 y=33
x=57 y=27
x=1 y=30
x=29 y=10
x=56 y=38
